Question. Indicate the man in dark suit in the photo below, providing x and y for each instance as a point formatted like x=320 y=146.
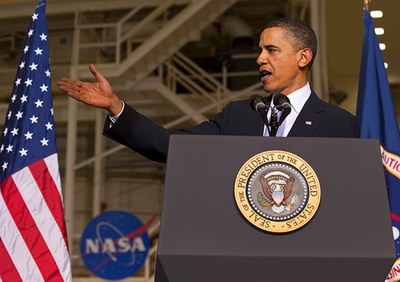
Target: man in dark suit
x=287 y=51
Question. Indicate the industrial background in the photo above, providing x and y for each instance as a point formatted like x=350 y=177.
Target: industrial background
x=177 y=62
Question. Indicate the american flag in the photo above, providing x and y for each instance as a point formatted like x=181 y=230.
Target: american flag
x=33 y=239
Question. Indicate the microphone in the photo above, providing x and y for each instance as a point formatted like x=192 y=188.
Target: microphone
x=282 y=103
x=258 y=105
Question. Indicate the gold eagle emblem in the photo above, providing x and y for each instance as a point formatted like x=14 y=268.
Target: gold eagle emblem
x=277 y=187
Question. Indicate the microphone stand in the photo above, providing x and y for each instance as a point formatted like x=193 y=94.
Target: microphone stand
x=273 y=122
x=261 y=105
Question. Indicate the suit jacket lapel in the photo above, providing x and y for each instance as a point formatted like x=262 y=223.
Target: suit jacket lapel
x=308 y=120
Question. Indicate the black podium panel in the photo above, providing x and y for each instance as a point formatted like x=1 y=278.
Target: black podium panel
x=204 y=237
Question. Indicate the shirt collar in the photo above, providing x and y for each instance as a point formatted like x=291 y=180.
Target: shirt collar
x=299 y=97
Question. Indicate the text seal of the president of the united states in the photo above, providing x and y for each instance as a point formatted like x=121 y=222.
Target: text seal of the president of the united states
x=277 y=191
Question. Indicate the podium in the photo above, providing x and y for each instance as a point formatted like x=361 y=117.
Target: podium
x=204 y=237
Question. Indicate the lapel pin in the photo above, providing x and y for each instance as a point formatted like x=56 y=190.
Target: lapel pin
x=308 y=122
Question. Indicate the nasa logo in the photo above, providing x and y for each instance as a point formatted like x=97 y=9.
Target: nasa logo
x=114 y=245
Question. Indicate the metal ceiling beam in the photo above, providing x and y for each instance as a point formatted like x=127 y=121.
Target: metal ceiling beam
x=14 y=9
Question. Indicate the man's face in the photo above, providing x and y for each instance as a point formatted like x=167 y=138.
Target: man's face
x=279 y=63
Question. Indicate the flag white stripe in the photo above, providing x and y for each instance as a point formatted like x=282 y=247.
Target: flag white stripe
x=44 y=219
x=16 y=247
x=52 y=164
x=64 y=263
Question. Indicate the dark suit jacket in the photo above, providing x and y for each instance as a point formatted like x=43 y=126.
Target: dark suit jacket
x=316 y=119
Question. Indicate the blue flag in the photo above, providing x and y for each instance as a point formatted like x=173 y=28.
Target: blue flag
x=378 y=121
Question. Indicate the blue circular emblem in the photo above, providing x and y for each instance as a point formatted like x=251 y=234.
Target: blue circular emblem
x=114 y=245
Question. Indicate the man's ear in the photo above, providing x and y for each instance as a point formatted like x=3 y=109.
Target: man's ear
x=305 y=58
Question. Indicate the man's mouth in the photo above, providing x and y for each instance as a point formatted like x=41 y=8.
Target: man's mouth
x=264 y=74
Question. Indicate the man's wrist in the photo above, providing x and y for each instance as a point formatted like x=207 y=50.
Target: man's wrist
x=114 y=118
x=115 y=106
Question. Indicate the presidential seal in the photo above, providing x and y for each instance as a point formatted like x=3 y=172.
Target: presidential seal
x=277 y=191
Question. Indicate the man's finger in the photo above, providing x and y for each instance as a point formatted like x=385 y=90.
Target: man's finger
x=96 y=74
x=74 y=84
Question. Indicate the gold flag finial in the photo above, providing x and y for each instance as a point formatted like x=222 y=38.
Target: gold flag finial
x=366 y=2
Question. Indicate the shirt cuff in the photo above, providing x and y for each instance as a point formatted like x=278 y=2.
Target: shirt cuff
x=113 y=119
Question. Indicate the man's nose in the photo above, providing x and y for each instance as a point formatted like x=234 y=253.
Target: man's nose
x=262 y=59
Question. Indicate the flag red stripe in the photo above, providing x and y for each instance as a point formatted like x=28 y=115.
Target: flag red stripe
x=8 y=272
x=50 y=194
x=395 y=216
x=29 y=231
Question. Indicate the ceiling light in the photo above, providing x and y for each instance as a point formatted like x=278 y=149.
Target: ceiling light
x=376 y=14
x=379 y=31
x=382 y=46
x=386 y=65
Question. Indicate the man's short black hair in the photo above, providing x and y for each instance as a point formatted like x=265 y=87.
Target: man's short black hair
x=299 y=34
